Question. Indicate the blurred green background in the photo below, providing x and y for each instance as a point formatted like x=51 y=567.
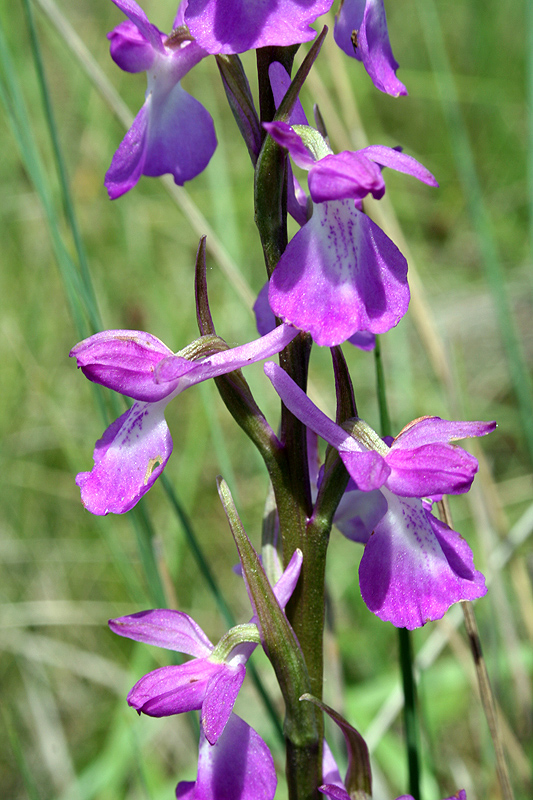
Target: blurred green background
x=464 y=351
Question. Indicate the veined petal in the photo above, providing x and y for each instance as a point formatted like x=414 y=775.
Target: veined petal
x=415 y=567
x=181 y=135
x=431 y=469
x=395 y=159
x=135 y=13
x=128 y=459
x=238 y=767
x=125 y=361
x=174 y=689
x=220 y=696
x=340 y=274
x=427 y=430
x=173 y=630
x=234 y=26
x=345 y=175
x=128 y=162
x=129 y=49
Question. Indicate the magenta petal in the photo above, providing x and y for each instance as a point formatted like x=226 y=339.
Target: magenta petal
x=358 y=513
x=284 y=135
x=173 y=690
x=173 y=630
x=238 y=767
x=334 y=792
x=340 y=274
x=125 y=361
x=135 y=13
x=181 y=134
x=286 y=584
x=234 y=26
x=345 y=175
x=128 y=162
x=369 y=470
x=280 y=82
x=220 y=697
x=415 y=567
x=376 y=52
x=428 y=430
x=128 y=459
x=129 y=49
x=364 y=340
x=395 y=159
x=430 y=469
x=264 y=316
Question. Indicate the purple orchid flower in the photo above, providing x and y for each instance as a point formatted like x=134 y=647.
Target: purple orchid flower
x=334 y=788
x=172 y=132
x=340 y=274
x=238 y=767
x=361 y=32
x=135 y=448
x=234 y=26
x=414 y=567
x=212 y=680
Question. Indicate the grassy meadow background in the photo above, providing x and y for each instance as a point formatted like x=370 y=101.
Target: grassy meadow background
x=464 y=351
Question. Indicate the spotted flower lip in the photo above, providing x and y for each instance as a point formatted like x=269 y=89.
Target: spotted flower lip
x=172 y=133
x=210 y=682
x=414 y=566
x=361 y=32
x=134 y=450
x=239 y=766
x=340 y=274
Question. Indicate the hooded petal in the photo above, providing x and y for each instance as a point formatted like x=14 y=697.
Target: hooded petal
x=129 y=49
x=238 y=767
x=340 y=274
x=174 y=689
x=431 y=469
x=137 y=16
x=234 y=26
x=220 y=696
x=345 y=175
x=415 y=567
x=361 y=32
x=173 y=630
x=124 y=361
x=128 y=459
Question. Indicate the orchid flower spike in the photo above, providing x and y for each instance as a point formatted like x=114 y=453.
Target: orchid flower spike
x=340 y=274
x=361 y=32
x=212 y=680
x=238 y=766
x=134 y=450
x=172 y=132
x=414 y=567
